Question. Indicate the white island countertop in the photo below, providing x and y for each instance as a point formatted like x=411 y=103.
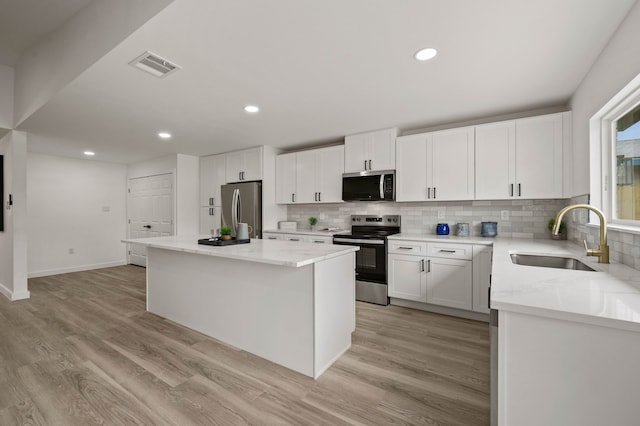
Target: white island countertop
x=609 y=297
x=274 y=252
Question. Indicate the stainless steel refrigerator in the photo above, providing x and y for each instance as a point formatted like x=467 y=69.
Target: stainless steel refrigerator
x=242 y=203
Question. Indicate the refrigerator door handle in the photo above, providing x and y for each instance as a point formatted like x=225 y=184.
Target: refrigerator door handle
x=234 y=210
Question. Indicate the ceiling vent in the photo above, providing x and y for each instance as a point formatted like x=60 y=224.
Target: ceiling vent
x=154 y=64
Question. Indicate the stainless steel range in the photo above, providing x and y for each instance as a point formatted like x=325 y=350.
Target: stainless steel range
x=370 y=234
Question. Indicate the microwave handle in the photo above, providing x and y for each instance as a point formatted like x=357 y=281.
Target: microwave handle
x=382 y=187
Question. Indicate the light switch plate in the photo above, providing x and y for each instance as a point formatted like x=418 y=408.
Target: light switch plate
x=441 y=212
x=505 y=214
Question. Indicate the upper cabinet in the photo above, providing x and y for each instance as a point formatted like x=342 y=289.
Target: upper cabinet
x=313 y=176
x=286 y=178
x=212 y=177
x=370 y=151
x=437 y=166
x=521 y=158
x=245 y=165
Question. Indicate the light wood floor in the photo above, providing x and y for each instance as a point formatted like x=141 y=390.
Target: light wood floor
x=83 y=351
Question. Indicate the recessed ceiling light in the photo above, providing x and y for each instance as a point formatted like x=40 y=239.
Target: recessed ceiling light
x=425 y=54
x=89 y=153
x=251 y=108
x=164 y=135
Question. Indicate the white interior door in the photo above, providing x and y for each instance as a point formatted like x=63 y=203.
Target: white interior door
x=150 y=212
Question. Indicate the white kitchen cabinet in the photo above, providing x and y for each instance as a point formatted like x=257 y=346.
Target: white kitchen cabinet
x=286 y=178
x=495 y=160
x=449 y=282
x=370 y=151
x=209 y=219
x=272 y=236
x=212 y=177
x=539 y=143
x=407 y=277
x=313 y=176
x=437 y=166
x=245 y=165
x=449 y=275
x=521 y=158
x=482 y=256
x=319 y=239
x=434 y=273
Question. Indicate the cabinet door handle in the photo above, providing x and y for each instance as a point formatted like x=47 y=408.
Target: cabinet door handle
x=239 y=175
x=511 y=191
x=519 y=190
x=365 y=164
x=210 y=201
x=447 y=251
x=369 y=164
x=319 y=196
x=429 y=265
x=405 y=248
x=210 y=211
x=434 y=192
x=294 y=239
x=292 y=197
x=318 y=241
x=421 y=265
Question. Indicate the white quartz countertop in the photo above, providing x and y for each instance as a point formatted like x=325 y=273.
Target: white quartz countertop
x=432 y=238
x=274 y=252
x=609 y=297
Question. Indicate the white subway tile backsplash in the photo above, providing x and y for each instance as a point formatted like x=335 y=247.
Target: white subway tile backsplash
x=527 y=218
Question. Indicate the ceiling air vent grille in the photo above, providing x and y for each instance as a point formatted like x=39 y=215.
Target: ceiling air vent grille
x=154 y=64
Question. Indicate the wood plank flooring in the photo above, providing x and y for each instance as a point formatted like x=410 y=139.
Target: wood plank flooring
x=84 y=351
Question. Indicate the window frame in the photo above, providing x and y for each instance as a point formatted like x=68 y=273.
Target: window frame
x=603 y=161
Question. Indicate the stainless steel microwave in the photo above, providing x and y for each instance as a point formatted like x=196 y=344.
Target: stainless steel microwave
x=369 y=186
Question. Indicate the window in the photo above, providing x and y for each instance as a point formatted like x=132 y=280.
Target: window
x=626 y=149
x=615 y=158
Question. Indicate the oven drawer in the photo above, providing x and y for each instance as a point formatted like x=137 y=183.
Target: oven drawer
x=407 y=247
x=450 y=251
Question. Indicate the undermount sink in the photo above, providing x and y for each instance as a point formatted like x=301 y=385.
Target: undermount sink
x=549 y=262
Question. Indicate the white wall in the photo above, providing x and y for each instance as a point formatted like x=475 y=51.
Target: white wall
x=51 y=64
x=616 y=66
x=156 y=166
x=75 y=204
x=186 y=170
x=13 y=241
x=6 y=97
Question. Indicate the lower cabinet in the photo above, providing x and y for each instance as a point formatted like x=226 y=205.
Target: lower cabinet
x=449 y=282
x=306 y=238
x=442 y=274
x=407 y=277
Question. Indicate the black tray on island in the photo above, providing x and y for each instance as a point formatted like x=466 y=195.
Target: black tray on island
x=218 y=242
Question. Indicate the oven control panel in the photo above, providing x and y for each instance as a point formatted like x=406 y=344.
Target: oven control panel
x=373 y=220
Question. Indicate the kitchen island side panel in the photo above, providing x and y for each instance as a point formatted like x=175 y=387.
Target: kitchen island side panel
x=264 y=309
x=334 y=309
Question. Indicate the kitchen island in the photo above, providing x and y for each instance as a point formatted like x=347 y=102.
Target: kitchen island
x=568 y=340
x=290 y=303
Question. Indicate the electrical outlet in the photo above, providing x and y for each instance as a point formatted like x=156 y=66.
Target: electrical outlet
x=441 y=212
x=322 y=216
x=71 y=251
x=505 y=214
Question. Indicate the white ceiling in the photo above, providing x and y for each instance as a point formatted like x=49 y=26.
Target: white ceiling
x=25 y=22
x=320 y=70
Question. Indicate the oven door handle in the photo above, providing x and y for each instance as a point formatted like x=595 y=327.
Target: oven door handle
x=381 y=185
x=358 y=241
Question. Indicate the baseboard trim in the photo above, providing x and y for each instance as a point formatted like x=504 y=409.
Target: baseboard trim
x=13 y=296
x=472 y=315
x=80 y=268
